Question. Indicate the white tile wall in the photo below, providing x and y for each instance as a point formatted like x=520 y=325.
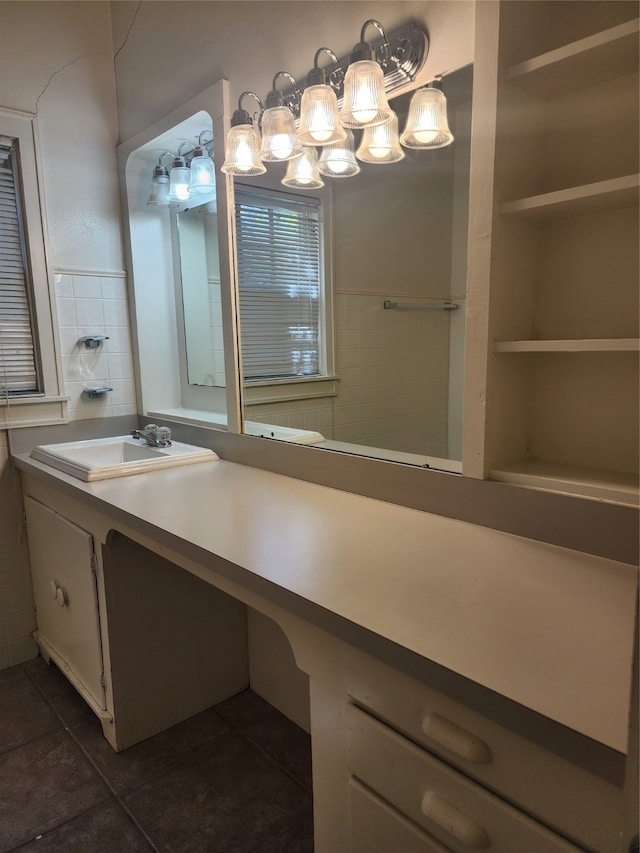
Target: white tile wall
x=393 y=371
x=95 y=304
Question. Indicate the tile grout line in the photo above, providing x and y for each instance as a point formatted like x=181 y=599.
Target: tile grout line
x=114 y=795
x=267 y=755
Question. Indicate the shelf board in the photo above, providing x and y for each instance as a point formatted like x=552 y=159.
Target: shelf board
x=575 y=201
x=604 y=56
x=611 y=486
x=584 y=345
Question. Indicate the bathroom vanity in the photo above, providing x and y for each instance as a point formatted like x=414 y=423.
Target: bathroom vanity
x=480 y=700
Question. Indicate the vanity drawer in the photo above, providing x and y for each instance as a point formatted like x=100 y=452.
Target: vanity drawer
x=564 y=796
x=376 y=827
x=445 y=804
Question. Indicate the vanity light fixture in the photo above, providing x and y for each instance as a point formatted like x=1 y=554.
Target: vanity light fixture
x=365 y=101
x=427 y=125
x=243 y=143
x=319 y=123
x=302 y=172
x=360 y=83
x=380 y=143
x=339 y=159
x=202 y=173
x=279 y=142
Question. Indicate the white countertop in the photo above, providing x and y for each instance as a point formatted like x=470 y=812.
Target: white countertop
x=550 y=628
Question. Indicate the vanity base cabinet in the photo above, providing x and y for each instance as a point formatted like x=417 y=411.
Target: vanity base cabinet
x=145 y=643
x=434 y=763
x=63 y=570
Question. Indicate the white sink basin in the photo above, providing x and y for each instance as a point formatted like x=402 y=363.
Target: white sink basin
x=103 y=458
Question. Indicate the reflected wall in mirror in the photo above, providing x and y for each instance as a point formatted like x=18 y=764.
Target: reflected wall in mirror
x=398 y=235
x=199 y=263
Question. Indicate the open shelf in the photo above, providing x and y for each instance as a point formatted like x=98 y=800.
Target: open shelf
x=580 y=64
x=576 y=201
x=584 y=345
x=589 y=482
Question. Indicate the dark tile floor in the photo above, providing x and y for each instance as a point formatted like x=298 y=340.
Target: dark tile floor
x=234 y=779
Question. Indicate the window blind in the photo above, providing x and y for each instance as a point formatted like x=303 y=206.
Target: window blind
x=17 y=356
x=279 y=270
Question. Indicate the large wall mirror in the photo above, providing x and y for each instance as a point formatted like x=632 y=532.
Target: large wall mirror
x=179 y=258
x=375 y=364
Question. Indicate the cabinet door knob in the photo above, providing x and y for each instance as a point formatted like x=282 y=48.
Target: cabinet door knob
x=456 y=739
x=454 y=822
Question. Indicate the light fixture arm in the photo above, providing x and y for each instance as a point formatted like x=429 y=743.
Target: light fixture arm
x=162 y=156
x=275 y=98
x=241 y=116
x=364 y=49
x=318 y=76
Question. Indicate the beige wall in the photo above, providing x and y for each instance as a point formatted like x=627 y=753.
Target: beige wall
x=56 y=60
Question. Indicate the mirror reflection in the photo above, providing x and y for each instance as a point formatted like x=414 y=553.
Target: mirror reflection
x=200 y=294
x=369 y=277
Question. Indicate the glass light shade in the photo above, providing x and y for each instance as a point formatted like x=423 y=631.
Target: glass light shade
x=365 y=101
x=427 y=125
x=179 y=179
x=203 y=178
x=302 y=172
x=279 y=141
x=159 y=188
x=319 y=123
x=243 y=147
x=339 y=160
x=380 y=144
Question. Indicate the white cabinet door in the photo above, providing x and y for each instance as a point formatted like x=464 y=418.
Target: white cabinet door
x=65 y=593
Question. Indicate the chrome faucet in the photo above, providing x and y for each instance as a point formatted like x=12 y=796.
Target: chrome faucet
x=154 y=436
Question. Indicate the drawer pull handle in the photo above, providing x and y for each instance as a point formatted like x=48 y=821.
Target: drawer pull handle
x=457 y=824
x=456 y=739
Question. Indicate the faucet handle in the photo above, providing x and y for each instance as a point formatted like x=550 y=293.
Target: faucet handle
x=163 y=433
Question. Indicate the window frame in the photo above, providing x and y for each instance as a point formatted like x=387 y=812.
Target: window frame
x=46 y=405
x=323 y=384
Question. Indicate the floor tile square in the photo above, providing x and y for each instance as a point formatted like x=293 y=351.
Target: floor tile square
x=104 y=829
x=270 y=731
x=24 y=713
x=42 y=785
x=232 y=799
x=59 y=691
x=154 y=757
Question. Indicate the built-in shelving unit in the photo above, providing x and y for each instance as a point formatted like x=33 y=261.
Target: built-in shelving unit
x=556 y=299
x=576 y=201
x=584 y=345
x=586 y=62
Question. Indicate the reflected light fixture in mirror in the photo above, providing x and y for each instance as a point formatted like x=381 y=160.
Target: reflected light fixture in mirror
x=203 y=178
x=160 y=183
x=380 y=143
x=180 y=177
x=427 y=125
x=192 y=176
x=339 y=160
x=302 y=172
